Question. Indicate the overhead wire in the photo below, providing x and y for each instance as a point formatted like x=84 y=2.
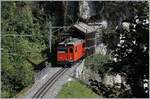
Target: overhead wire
x=59 y=28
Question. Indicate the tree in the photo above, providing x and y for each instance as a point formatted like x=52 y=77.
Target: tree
x=18 y=19
x=132 y=53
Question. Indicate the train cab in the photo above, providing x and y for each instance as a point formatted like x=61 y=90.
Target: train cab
x=70 y=51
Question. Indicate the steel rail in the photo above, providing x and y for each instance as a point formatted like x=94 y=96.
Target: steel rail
x=44 y=89
x=53 y=82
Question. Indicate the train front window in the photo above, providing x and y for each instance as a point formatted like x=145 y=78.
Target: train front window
x=62 y=49
x=71 y=50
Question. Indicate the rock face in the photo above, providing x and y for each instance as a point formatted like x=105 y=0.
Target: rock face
x=113 y=80
x=87 y=9
x=101 y=48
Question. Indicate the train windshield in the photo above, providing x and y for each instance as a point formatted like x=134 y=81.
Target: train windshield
x=62 y=49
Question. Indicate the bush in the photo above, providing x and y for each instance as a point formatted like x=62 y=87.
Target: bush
x=18 y=19
x=98 y=63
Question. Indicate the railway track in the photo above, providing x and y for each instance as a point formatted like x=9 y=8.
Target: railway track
x=44 y=89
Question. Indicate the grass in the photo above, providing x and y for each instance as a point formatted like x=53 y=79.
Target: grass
x=74 y=89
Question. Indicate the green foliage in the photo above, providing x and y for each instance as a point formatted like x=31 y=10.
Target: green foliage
x=98 y=62
x=110 y=38
x=18 y=19
x=31 y=18
x=133 y=54
x=114 y=12
x=75 y=89
x=24 y=18
x=117 y=93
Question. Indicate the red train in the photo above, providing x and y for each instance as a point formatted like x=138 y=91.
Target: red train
x=70 y=51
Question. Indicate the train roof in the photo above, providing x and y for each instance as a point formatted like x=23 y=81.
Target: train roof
x=84 y=27
x=71 y=41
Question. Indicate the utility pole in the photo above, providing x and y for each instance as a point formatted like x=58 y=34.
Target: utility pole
x=50 y=36
x=51 y=33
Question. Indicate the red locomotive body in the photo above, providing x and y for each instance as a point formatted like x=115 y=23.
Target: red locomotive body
x=70 y=51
